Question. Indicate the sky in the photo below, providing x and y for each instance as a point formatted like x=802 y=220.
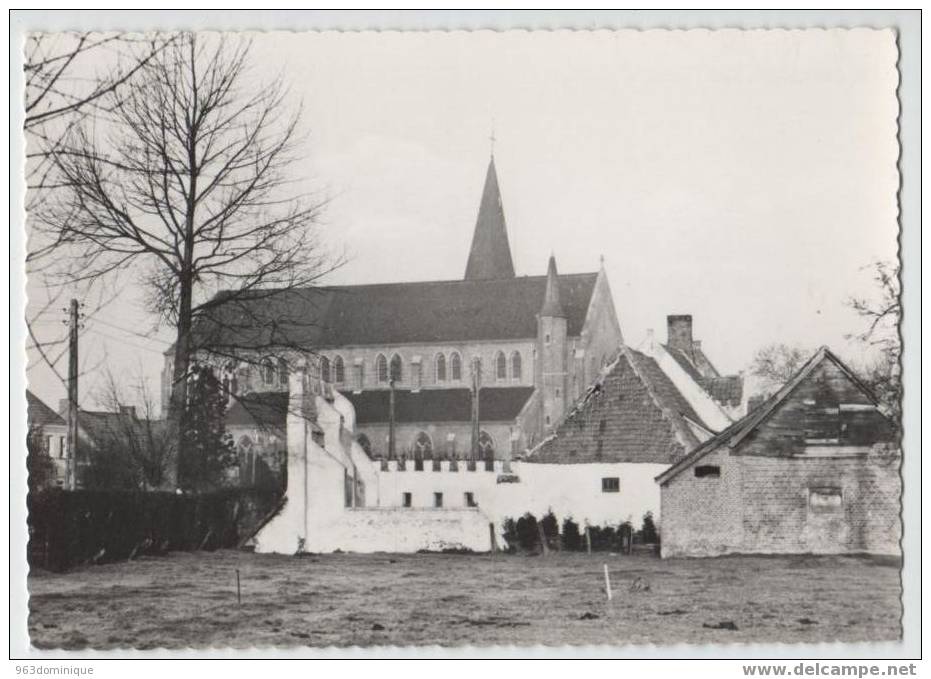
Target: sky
x=745 y=177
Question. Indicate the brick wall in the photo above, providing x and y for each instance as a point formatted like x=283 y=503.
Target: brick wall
x=820 y=475
x=702 y=516
x=778 y=515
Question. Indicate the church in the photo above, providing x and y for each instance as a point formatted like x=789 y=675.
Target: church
x=482 y=367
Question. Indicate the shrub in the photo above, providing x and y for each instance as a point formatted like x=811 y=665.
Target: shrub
x=571 y=537
x=550 y=525
x=604 y=538
x=509 y=533
x=648 y=532
x=527 y=535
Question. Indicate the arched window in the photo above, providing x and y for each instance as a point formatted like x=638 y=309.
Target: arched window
x=339 y=370
x=268 y=371
x=245 y=376
x=440 y=368
x=516 y=365
x=365 y=444
x=381 y=368
x=486 y=445
x=455 y=367
x=501 y=366
x=423 y=446
x=325 y=368
x=283 y=372
x=396 y=368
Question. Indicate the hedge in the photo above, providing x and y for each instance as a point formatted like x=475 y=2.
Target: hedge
x=71 y=528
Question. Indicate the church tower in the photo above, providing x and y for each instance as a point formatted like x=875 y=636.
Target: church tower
x=490 y=254
x=551 y=352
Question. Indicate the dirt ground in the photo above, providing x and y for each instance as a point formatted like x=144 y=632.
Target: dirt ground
x=189 y=600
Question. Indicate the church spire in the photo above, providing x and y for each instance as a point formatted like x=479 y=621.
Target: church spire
x=490 y=255
x=552 y=306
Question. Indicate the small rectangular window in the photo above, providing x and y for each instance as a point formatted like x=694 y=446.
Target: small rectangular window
x=610 y=484
x=825 y=500
x=62 y=447
x=470 y=500
x=707 y=471
x=438 y=499
x=407 y=500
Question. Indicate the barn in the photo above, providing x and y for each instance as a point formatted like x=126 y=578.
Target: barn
x=813 y=469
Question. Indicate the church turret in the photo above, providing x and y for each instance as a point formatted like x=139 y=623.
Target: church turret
x=551 y=349
x=490 y=255
x=552 y=305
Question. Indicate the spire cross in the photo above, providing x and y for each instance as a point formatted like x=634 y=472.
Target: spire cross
x=492 y=138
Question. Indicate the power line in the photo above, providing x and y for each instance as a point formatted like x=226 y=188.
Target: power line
x=133 y=332
x=122 y=340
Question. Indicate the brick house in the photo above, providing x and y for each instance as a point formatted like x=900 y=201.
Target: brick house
x=813 y=469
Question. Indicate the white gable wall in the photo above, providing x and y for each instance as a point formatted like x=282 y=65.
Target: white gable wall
x=706 y=407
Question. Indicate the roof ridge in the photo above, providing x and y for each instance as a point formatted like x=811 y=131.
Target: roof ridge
x=735 y=433
x=765 y=409
x=443 y=281
x=678 y=429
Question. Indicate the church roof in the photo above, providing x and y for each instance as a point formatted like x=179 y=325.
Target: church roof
x=262 y=409
x=393 y=313
x=496 y=404
x=632 y=413
x=490 y=254
x=552 y=306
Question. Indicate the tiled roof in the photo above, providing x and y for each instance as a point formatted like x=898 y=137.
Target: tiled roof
x=496 y=404
x=727 y=389
x=268 y=409
x=105 y=427
x=633 y=413
x=39 y=414
x=684 y=362
x=735 y=433
x=392 y=313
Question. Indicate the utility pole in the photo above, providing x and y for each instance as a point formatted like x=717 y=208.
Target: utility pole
x=72 y=436
x=391 y=443
x=476 y=387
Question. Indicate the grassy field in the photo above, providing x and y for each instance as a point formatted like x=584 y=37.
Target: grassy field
x=189 y=600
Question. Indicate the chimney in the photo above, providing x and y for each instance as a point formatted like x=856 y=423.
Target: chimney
x=679 y=333
x=128 y=410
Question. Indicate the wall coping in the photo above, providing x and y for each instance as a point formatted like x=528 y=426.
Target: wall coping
x=463 y=467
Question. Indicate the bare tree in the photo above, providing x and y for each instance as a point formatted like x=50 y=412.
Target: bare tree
x=128 y=448
x=776 y=363
x=882 y=312
x=191 y=183
x=67 y=76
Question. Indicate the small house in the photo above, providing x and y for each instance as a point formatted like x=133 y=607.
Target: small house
x=813 y=469
x=48 y=432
